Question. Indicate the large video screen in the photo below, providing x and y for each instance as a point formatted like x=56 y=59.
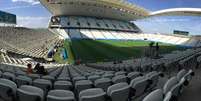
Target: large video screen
x=7 y=18
x=181 y=32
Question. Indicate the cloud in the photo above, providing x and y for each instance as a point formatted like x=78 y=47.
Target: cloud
x=33 y=22
x=32 y=2
x=17 y=7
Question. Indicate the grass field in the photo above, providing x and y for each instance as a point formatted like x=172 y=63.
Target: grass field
x=107 y=50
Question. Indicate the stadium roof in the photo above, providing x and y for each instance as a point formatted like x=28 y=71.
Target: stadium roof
x=113 y=9
x=178 y=11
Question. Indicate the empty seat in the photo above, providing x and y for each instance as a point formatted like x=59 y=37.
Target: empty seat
x=65 y=85
x=34 y=76
x=103 y=83
x=78 y=78
x=188 y=76
x=93 y=77
x=133 y=75
x=60 y=95
x=30 y=93
x=153 y=77
x=46 y=85
x=108 y=76
x=139 y=86
x=119 y=78
x=63 y=79
x=82 y=85
x=181 y=74
x=23 y=80
x=1 y=73
x=7 y=89
x=48 y=77
x=95 y=94
x=169 y=85
x=120 y=73
x=156 y=95
x=9 y=76
x=119 y=92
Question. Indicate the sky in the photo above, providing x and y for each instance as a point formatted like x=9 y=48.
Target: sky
x=30 y=13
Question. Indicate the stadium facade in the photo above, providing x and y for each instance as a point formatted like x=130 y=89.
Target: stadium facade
x=7 y=19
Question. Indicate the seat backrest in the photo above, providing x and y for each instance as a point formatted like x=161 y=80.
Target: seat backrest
x=181 y=74
x=169 y=84
x=30 y=93
x=23 y=80
x=46 y=85
x=119 y=92
x=94 y=94
x=65 y=85
x=119 y=78
x=156 y=95
x=133 y=75
x=139 y=85
x=60 y=95
x=103 y=83
x=82 y=85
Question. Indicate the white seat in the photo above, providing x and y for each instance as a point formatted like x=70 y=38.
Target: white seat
x=34 y=76
x=133 y=75
x=154 y=77
x=30 y=93
x=48 y=77
x=60 y=95
x=169 y=85
x=181 y=74
x=7 y=89
x=94 y=94
x=94 y=77
x=119 y=92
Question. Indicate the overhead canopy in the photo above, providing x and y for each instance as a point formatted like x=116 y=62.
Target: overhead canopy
x=178 y=11
x=111 y=9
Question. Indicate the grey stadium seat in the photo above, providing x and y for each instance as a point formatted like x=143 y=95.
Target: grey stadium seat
x=156 y=95
x=34 y=76
x=133 y=75
x=120 y=73
x=154 y=77
x=60 y=95
x=48 y=77
x=94 y=94
x=65 y=85
x=139 y=86
x=119 y=92
x=181 y=74
x=23 y=80
x=46 y=85
x=78 y=78
x=93 y=77
x=82 y=85
x=103 y=83
x=169 y=84
x=108 y=75
x=8 y=75
x=7 y=89
x=119 y=78
x=30 y=93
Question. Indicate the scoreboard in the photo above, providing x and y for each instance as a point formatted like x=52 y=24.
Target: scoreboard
x=181 y=32
x=7 y=18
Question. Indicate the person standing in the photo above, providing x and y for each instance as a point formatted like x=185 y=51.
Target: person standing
x=29 y=69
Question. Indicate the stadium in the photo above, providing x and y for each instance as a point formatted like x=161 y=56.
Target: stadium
x=93 y=50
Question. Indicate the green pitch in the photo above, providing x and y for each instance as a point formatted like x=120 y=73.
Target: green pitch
x=108 y=50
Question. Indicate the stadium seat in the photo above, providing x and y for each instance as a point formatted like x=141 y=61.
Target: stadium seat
x=30 y=93
x=108 y=76
x=119 y=78
x=7 y=89
x=48 y=77
x=82 y=85
x=119 y=92
x=103 y=83
x=9 y=76
x=154 y=77
x=45 y=85
x=34 y=76
x=78 y=78
x=60 y=95
x=188 y=76
x=181 y=74
x=138 y=86
x=63 y=79
x=65 y=85
x=156 y=95
x=94 y=94
x=133 y=75
x=23 y=80
x=170 y=84
x=94 y=77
